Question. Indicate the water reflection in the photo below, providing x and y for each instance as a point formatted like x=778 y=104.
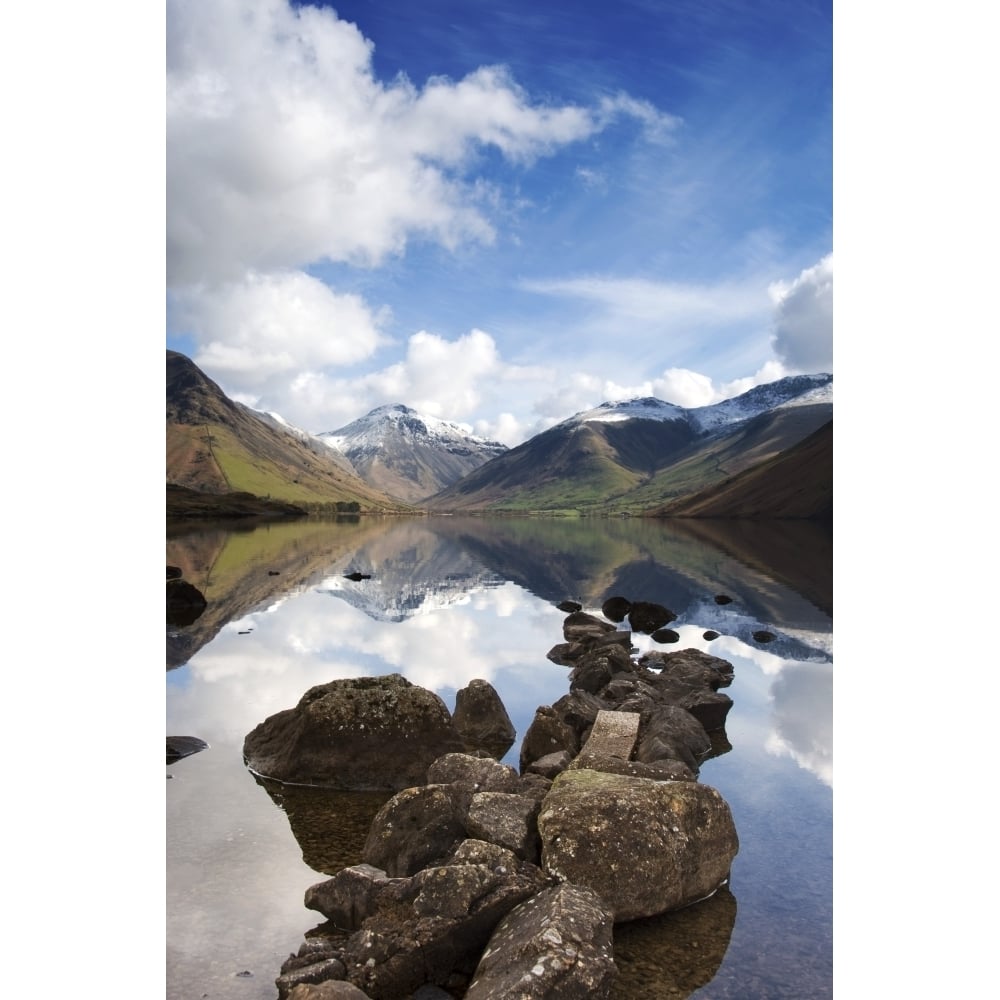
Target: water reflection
x=330 y=826
x=449 y=600
x=670 y=956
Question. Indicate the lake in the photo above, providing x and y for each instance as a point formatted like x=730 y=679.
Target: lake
x=450 y=599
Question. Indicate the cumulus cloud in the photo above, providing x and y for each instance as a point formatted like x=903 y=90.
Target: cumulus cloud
x=283 y=148
x=274 y=324
x=803 y=322
x=449 y=379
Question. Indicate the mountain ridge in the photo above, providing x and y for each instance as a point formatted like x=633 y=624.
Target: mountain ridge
x=408 y=454
x=633 y=456
x=217 y=446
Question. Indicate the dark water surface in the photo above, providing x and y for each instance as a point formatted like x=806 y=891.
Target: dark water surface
x=453 y=599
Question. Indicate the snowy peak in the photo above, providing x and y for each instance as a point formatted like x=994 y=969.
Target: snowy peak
x=413 y=455
x=386 y=424
x=793 y=390
x=645 y=408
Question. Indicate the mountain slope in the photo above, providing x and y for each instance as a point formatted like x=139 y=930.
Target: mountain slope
x=407 y=454
x=216 y=445
x=798 y=483
x=639 y=454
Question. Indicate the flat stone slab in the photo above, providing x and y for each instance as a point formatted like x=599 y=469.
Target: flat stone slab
x=613 y=735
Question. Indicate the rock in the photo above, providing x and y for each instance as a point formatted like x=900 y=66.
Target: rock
x=690 y=679
x=328 y=991
x=764 y=636
x=570 y=654
x=645 y=616
x=578 y=710
x=723 y=599
x=480 y=774
x=556 y=944
x=665 y=635
x=480 y=852
x=710 y=635
x=185 y=602
x=667 y=769
x=534 y=786
x=432 y=928
x=582 y=626
x=507 y=820
x=356 y=576
x=547 y=734
x=417 y=827
x=670 y=732
x=569 y=606
x=616 y=608
x=481 y=719
x=315 y=973
x=174 y=572
x=645 y=847
x=550 y=765
x=179 y=747
x=360 y=733
x=350 y=897
x=595 y=668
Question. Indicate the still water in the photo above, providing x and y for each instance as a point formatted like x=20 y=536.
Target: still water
x=447 y=600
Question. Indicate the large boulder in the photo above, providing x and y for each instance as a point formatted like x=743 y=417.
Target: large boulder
x=555 y=945
x=645 y=847
x=481 y=719
x=375 y=733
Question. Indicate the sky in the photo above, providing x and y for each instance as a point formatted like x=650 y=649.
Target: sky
x=499 y=214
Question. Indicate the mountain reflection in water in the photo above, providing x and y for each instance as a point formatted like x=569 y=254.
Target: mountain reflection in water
x=448 y=600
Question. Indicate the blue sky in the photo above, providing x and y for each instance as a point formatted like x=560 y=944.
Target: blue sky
x=497 y=213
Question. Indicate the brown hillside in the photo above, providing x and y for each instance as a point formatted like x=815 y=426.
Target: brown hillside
x=218 y=446
x=798 y=483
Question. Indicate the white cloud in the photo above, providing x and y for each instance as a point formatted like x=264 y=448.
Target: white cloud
x=284 y=149
x=274 y=324
x=449 y=379
x=671 y=304
x=803 y=323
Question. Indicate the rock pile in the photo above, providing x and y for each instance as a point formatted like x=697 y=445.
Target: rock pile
x=482 y=881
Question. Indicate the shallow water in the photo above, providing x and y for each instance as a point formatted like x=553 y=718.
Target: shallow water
x=448 y=600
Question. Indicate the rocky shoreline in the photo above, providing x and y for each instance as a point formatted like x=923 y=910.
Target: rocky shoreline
x=480 y=880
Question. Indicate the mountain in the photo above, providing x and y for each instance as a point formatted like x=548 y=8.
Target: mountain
x=407 y=454
x=639 y=454
x=218 y=446
x=797 y=483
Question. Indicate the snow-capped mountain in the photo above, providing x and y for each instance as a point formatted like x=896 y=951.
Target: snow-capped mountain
x=408 y=454
x=794 y=390
x=638 y=454
x=647 y=408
